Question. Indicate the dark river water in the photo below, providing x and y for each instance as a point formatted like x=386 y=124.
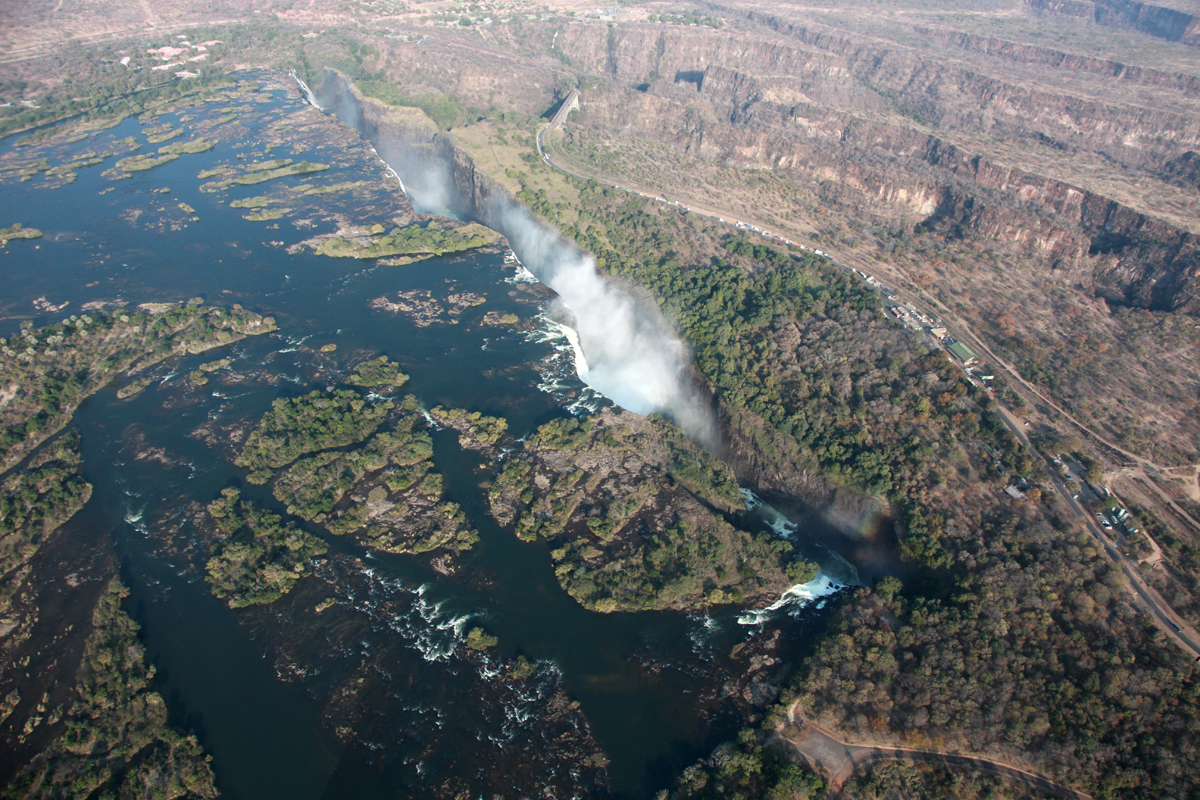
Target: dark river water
x=372 y=697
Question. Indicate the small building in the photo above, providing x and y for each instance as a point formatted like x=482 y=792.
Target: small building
x=1015 y=492
x=962 y=353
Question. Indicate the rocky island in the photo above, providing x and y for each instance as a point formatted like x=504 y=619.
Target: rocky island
x=636 y=516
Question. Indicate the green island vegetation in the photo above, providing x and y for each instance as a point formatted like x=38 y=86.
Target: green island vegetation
x=267 y=215
x=50 y=371
x=308 y=190
x=500 y=320
x=115 y=740
x=384 y=491
x=430 y=240
x=477 y=639
x=134 y=387
x=213 y=366
x=377 y=372
x=262 y=175
x=162 y=134
x=255 y=173
x=260 y=557
x=480 y=429
x=521 y=669
x=140 y=163
x=634 y=529
x=747 y=768
x=34 y=502
x=17 y=231
x=183 y=148
x=40 y=498
x=246 y=202
x=315 y=421
x=67 y=171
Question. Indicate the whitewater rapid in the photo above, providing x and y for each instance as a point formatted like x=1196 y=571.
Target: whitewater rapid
x=834 y=575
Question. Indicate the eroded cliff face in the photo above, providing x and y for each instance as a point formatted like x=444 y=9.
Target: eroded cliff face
x=760 y=457
x=892 y=134
x=1165 y=23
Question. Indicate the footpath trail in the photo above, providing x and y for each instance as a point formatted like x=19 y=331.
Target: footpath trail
x=841 y=759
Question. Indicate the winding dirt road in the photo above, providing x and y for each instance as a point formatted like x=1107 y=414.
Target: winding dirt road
x=841 y=759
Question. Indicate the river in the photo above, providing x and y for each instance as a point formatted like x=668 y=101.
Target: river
x=372 y=697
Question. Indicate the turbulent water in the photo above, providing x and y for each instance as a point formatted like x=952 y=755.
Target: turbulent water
x=373 y=696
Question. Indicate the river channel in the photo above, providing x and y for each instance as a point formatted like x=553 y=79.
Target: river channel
x=373 y=697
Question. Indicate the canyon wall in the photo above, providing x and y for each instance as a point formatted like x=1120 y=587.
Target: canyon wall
x=893 y=130
x=789 y=478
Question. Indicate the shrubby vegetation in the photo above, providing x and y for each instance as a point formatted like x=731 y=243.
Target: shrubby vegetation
x=745 y=769
x=37 y=500
x=53 y=369
x=260 y=557
x=431 y=240
x=377 y=372
x=1028 y=645
x=479 y=429
x=140 y=163
x=16 y=231
x=626 y=503
x=195 y=146
x=306 y=424
x=116 y=741
x=477 y=639
x=385 y=491
x=313 y=486
x=34 y=502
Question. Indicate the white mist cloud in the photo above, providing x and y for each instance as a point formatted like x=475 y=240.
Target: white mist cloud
x=633 y=356
x=427 y=179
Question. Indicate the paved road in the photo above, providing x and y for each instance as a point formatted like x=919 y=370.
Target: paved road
x=841 y=760
x=1159 y=610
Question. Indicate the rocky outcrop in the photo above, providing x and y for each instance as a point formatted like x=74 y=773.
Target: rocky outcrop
x=821 y=106
x=1164 y=23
